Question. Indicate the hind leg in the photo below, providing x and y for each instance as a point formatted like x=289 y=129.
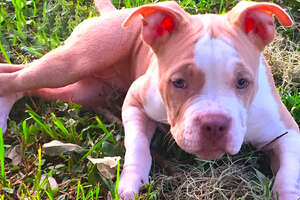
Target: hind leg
x=95 y=45
x=89 y=92
x=7 y=101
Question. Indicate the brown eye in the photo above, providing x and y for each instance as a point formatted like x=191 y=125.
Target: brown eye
x=179 y=83
x=242 y=83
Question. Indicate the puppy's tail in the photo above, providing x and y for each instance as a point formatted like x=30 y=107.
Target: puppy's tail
x=104 y=6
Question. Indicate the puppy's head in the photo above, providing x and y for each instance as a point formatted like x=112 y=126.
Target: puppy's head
x=208 y=70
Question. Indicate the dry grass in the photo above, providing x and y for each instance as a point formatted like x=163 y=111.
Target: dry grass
x=283 y=57
x=225 y=180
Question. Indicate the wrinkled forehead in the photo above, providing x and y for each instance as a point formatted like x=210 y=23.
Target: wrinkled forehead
x=219 y=42
x=209 y=41
x=211 y=53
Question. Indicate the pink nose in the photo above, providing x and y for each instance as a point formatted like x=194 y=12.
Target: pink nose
x=214 y=125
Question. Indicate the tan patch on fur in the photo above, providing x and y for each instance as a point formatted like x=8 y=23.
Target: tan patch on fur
x=176 y=98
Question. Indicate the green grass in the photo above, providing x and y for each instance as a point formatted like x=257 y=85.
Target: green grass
x=3 y=175
x=29 y=29
x=291 y=99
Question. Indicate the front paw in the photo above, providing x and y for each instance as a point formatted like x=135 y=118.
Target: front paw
x=285 y=194
x=130 y=183
x=286 y=187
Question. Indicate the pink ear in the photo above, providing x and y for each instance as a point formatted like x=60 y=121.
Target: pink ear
x=255 y=19
x=158 y=20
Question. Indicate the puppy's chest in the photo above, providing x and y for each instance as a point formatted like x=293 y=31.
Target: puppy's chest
x=153 y=104
x=264 y=119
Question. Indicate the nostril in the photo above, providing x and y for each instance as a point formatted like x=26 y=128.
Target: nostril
x=207 y=128
x=221 y=128
x=214 y=124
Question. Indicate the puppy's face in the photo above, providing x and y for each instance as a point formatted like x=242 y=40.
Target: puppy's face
x=208 y=93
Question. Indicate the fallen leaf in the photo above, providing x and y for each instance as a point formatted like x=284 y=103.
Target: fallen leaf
x=14 y=154
x=106 y=166
x=51 y=182
x=55 y=148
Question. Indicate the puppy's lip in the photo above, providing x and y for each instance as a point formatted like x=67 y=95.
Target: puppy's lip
x=210 y=155
x=215 y=153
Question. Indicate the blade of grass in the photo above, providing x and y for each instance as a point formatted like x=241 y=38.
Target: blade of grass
x=45 y=180
x=60 y=125
x=21 y=57
x=45 y=127
x=3 y=13
x=97 y=191
x=39 y=172
x=31 y=51
x=24 y=137
x=104 y=129
x=50 y=196
x=82 y=193
x=4 y=53
x=128 y=4
x=27 y=191
x=25 y=132
x=3 y=175
x=34 y=8
x=78 y=190
x=93 y=192
x=221 y=6
x=45 y=9
x=95 y=146
x=117 y=181
x=149 y=195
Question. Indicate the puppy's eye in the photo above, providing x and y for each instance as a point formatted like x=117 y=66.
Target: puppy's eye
x=179 y=83
x=242 y=83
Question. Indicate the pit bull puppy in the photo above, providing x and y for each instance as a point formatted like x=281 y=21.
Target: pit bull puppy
x=202 y=74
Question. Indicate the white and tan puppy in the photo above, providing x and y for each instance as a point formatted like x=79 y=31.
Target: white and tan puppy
x=202 y=74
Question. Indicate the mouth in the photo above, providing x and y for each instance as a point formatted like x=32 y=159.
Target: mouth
x=210 y=155
x=208 y=149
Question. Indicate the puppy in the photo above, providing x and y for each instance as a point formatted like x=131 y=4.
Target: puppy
x=202 y=74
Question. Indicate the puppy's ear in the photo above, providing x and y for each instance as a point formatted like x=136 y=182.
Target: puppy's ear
x=256 y=20
x=160 y=21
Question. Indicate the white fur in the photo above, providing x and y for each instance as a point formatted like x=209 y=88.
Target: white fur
x=287 y=183
x=138 y=133
x=264 y=122
x=206 y=21
x=217 y=59
x=154 y=107
x=6 y=104
x=217 y=95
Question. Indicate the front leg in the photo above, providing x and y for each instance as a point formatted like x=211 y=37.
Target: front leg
x=139 y=130
x=285 y=158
